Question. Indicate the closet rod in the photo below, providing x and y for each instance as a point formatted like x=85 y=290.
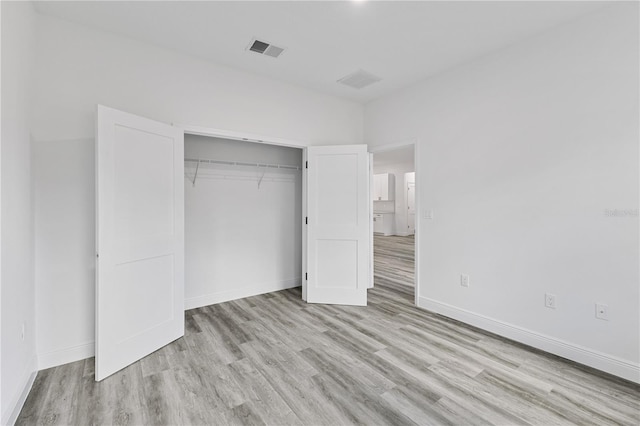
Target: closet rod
x=241 y=163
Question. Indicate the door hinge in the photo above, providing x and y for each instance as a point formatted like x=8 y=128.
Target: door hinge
x=306 y=164
x=305 y=276
x=306 y=220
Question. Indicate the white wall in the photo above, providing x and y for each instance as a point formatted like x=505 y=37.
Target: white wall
x=78 y=67
x=521 y=153
x=64 y=209
x=398 y=170
x=18 y=293
x=241 y=239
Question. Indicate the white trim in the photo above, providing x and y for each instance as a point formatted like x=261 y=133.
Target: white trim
x=225 y=296
x=12 y=412
x=613 y=365
x=248 y=137
x=371 y=232
x=33 y=234
x=304 y=225
x=403 y=234
x=66 y=355
x=417 y=230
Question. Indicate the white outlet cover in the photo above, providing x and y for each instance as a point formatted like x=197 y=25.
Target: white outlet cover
x=602 y=311
x=428 y=214
x=550 y=300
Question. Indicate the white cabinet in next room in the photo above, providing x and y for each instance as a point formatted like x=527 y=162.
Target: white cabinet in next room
x=383 y=223
x=384 y=185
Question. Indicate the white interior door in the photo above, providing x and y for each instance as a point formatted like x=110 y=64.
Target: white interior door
x=140 y=238
x=411 y=207
x=338 y=224
x=371 y=222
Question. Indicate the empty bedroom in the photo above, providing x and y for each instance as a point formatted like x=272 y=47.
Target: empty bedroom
x=320 y=213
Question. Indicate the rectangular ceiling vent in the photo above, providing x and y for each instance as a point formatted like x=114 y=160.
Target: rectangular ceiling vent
x=359 y=79
x=264 y=48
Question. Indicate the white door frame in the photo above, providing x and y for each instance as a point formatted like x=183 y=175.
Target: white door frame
x=416 y=165
x=242 y=136
x=371 y=264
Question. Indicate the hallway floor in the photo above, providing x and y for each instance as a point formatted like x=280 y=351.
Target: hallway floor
x=394 y=259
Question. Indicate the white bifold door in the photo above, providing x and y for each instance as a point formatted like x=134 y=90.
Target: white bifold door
x=140 y=238
x=338 y=224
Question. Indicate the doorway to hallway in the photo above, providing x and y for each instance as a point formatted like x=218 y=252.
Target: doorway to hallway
x=394 y=218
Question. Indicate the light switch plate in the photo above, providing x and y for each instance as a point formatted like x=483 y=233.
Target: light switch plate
x=464 y=280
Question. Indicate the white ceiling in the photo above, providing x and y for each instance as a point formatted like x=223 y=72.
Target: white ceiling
x=401 y=42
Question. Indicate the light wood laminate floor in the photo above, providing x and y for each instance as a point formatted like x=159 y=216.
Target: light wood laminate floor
x=273 y=359
x=394 y=259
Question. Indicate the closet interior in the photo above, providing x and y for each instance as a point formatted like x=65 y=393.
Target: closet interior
x=243 y=219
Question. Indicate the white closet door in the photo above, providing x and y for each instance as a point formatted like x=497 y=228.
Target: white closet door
x=338 y=242
x=140 y=238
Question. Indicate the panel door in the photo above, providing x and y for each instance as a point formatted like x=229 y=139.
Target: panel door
x=338 y=224
x=411 y=207
x=140 y=238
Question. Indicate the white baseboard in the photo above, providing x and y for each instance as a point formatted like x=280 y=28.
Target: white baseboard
x=254 y=290
x=16 y=403
x=610 y=364
x=66 y=355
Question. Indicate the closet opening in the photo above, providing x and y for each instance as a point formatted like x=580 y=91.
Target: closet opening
x=394 y=219
x=243 y=219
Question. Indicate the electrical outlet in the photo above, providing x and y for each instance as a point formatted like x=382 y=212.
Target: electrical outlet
x=602 y=311
x=464 y=280
x=550 y=300
x=428 y=214
x=22 y=331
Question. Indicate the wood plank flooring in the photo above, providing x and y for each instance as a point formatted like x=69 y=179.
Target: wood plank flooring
x=272 y=359
x=394 y=259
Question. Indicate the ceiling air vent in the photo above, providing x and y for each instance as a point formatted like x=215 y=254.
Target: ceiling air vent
x=359 y=79
x=264 y=48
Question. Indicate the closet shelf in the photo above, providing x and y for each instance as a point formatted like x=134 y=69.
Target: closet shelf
x=242 y=163
x=264 y=166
